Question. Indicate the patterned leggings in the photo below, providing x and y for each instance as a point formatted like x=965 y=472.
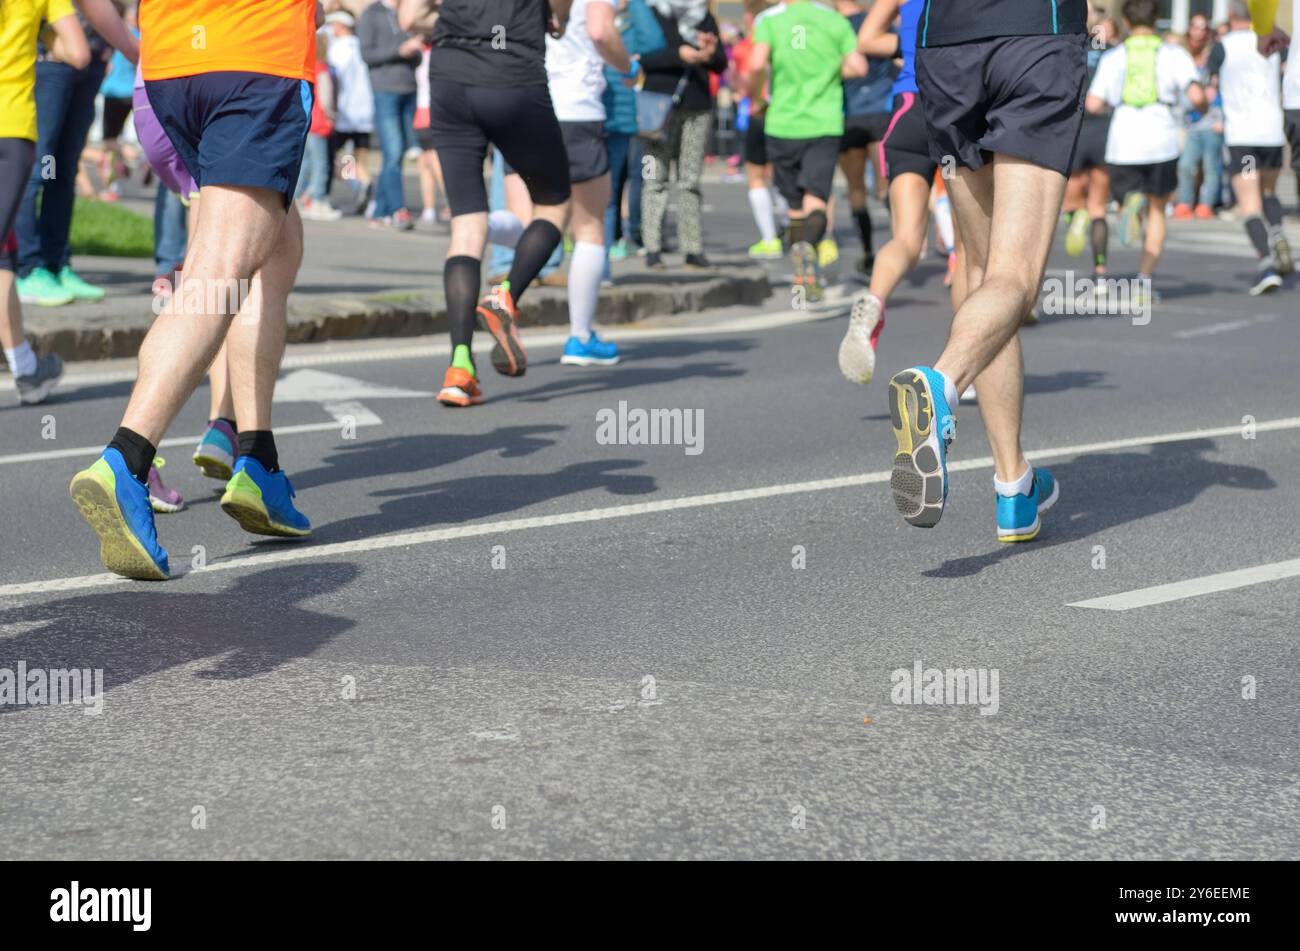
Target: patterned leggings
x=688 y=134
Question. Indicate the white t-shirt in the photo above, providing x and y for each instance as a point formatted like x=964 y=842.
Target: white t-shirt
x=1251 y=87
x=1291 y=82
x=356 y=103
x=1145 y=135
x=575 y=71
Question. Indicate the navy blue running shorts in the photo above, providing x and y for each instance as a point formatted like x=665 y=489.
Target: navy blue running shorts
x=233 y=128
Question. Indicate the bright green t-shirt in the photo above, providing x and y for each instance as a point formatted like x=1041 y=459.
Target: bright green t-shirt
x=808 y=43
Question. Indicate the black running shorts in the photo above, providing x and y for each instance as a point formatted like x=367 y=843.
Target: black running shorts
x=1160 y=178
x=1015 y=95
x=16 y=159
x=905 y=147
x=1091 y=151
x=588 y=153
x=754 y=151
x=1247 y=159
x=803 y=165
x=518 y=120
x=861 y=131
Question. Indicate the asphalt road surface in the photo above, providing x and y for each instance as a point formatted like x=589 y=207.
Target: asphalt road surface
x=511 y=638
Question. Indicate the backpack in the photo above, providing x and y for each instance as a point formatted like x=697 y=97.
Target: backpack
x=1141 y=53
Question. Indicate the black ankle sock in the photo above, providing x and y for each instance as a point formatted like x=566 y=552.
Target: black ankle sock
x=461 y=277
x=863 y=218
x=1257 y=230
x=814 y=227
x=1273 y=211
x=260 y=444
x=229 y=422
x=137 y=451
x=1100 y=238
x=534 y=249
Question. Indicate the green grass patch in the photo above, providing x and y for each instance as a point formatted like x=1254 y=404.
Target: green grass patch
x=106 y=229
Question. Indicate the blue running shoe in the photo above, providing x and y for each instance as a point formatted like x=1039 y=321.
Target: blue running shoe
x=117 y=507
x=260 y=501
x=923 y=426
x=1018 y=514
x=594 y=353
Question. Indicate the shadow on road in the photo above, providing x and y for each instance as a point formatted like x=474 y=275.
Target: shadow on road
x=1106 y=490
x=629 y=376
x=376 y=458
x=251 y=627
x=479 y=497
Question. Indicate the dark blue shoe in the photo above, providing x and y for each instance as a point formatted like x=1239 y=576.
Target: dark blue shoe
x=117 y=507
x=262 y=502
x=923 y=426
x=1018 y=514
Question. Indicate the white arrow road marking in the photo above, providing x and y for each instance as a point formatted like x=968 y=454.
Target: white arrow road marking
x=426 y=536
x=1192 y=588
x=340 y=396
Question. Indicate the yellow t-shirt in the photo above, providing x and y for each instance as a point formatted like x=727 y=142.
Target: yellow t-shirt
x=20 y=25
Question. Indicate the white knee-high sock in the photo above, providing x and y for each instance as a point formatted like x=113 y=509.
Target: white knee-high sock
x=782 y=207
x=760 y=203
x=585 y=269
x=504 y=228
x=943 y=221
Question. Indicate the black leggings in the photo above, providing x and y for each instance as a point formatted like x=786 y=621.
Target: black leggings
x=519 y=121
x=16 y=159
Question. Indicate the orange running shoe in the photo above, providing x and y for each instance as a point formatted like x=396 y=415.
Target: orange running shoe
x=1182 y=212
x=1204 y=211
x=499 y=317
x=459 y=388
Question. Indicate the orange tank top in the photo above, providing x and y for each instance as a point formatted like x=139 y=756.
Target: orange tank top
x=190 y=37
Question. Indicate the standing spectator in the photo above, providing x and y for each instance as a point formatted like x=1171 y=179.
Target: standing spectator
x=355 y=118
x=1203 y=149
x=691 y=50
x=313 y=191
x=65 y=109
x=392 y=55
x=641 y=37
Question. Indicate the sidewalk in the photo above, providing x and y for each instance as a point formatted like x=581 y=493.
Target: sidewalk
x=358 y=281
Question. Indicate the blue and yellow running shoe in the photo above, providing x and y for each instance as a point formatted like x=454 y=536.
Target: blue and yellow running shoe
x=1018 y=514
x=260 y=501
x=1076 y=236
x=116 y=506
x=923 y=427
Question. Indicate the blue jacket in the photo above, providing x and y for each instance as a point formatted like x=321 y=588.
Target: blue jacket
x=641 y=35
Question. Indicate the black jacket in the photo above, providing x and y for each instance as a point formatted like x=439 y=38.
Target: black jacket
x=664 y=69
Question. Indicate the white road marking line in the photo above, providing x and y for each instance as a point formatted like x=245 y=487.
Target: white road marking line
x=306 y=551
x=341 y=352
x=1211 y=329
x=1193 y=587
x=360 y=419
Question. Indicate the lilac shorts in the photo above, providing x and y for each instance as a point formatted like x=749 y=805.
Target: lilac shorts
x=158 y=149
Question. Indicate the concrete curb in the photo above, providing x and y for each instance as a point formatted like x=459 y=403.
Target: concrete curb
x=314 y=318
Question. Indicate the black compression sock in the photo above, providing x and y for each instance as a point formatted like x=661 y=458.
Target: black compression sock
x=863 y=218
x=1257 y=231
x=794 y=231
x=1100 y=238
x=260 y=444
x=535 y=247
x=814 y=227
x=1273 y=211
x=461 y=276
x=137 y=451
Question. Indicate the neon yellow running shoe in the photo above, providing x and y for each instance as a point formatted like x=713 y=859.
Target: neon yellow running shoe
x=1076 y=236
x=766 y=250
